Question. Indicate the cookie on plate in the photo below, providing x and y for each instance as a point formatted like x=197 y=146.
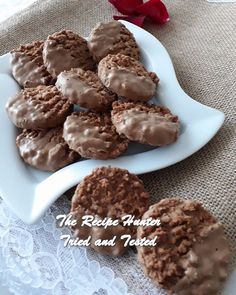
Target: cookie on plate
x=45 y=149
x=27 y=65
x=192 y=253
x=42 y=107
x=148 y=124
x=92 y=135
x=65 y=50
x=112 y=37
x=109 y=193
x=127 y=77
x=85 y=89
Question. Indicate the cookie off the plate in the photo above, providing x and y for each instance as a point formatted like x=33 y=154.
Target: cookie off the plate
x=192 y=253
x=108 y=192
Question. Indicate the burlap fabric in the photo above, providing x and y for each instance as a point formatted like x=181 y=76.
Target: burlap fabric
x=201 y=40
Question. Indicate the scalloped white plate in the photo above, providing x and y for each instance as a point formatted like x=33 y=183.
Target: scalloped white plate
x=29 y=192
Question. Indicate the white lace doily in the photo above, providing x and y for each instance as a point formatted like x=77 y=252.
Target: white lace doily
x=33 y=260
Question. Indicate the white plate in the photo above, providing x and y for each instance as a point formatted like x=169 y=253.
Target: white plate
x=29 y=192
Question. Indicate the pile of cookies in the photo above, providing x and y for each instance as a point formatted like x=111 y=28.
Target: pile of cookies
x=104 y=78
x=191 y=255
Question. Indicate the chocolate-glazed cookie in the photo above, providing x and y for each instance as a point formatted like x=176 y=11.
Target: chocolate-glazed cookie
x=41 y=107
x=85 y=89
x=112 y=37
x=148 y=124
x=112 y=193
x=45 y=149
x=127 y=77
x=65 y=50
x=192 y=253
x=27 y=65
x=92 y=135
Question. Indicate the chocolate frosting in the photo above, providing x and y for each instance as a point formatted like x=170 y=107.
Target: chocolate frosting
x=128 y=84
x=46 y=149
x=57 y=59
x=18 y=109
x=77 y=91
x=206 y=264
x=101 y=40
x=82 y=136
x=149 y=128
x=41 y=107
x=65 y=50
x=26 y=71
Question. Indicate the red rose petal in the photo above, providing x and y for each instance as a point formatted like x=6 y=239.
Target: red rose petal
x=126 y=6
x=155 y=9
x=137 y=20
